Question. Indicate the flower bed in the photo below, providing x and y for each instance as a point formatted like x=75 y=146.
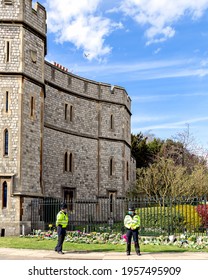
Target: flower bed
x=184 y=240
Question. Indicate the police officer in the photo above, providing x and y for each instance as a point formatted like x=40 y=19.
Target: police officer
x=132 y=223
x=61 y=223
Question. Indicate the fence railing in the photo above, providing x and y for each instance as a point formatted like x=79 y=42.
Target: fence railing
x=158 y=216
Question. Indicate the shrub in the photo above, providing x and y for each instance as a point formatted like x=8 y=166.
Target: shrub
x=202 y=211
x=177 y=218
x=191 y=219
x=165 y=219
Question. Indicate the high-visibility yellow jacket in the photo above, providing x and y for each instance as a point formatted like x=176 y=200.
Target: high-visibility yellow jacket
x=132 y=222
x=62 y=219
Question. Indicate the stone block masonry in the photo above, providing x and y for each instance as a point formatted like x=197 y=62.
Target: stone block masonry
x=61 y=135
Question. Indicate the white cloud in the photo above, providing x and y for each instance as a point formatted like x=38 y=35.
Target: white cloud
x=157 y=50
x=165 y=97
x=173 y=125
x=148 y=70
x=133 y=67
x=145 y=118
x=81 y=23
x=88 y=23
x=160 y=15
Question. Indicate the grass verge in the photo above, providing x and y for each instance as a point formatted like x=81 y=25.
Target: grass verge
x=43 y=244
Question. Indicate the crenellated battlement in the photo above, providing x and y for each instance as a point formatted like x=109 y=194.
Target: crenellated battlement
x=18 y=11
x=59 y=76
x=35 y=15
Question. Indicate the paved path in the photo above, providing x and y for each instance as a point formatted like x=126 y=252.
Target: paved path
x=26 y=254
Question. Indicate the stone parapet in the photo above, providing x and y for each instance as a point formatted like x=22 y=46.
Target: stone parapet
x=22 y=11
x=58 y=76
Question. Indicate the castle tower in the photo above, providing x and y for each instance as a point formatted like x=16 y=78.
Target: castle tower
x=22 y=51
x=61 y=136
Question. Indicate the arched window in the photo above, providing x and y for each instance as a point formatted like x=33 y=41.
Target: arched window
x=4 y=195
x=6 y=142
x=66 y=162
x=112 y=196
x=127 y=171
x=111 y=202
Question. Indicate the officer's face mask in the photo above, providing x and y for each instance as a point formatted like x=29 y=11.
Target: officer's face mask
x=131 y=213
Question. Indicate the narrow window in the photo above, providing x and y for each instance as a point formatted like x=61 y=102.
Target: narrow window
x=127 y=171
x=111 y=202
x=111 y=122
x=8 y=2
x=21 y=207
x=32 y=106
x=7 y=102
x=112 y=196
x=111 y=167
x=127 y=128
x=69 y=81
x=66 y=162
x=6 y=142
x=52 y=74
x=66 y=111
x=71 y=113
x=85 y=86
x=70 y=162
x=7 y=51
x=4 y=195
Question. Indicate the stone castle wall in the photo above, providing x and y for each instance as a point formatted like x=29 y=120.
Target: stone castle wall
x=22 y=50
x=9 y=120
x=31 y=130
x=91 y=136
x=50 y=113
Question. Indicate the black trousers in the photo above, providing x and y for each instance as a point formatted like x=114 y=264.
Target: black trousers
x=135 y=234
x=61 y=236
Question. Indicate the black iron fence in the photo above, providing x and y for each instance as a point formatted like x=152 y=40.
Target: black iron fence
x=158 y=216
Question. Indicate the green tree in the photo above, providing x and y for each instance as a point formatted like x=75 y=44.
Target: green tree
x=145 y=152
x=162 y=179
x=198 y=181
x=139 y=150
x=154 y=148
x=170 y=167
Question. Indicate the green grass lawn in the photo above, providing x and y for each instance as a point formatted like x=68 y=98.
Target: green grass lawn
x=39 y=244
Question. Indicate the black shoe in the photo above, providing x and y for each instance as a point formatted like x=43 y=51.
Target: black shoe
x=60 y=252
x=128 y=253
x=139 y=254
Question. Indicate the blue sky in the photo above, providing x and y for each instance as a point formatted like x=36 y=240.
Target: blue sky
x=156 y=49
